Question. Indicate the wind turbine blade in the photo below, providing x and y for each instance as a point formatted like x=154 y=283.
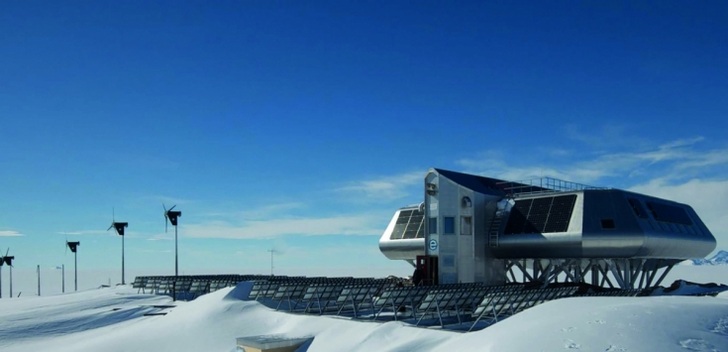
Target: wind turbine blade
x=173 y=207
x=8 y=251
x=112 y=225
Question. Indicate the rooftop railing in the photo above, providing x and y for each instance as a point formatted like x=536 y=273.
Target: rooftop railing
x=543 y=185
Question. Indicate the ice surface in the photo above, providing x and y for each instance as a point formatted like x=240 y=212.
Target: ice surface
x=112 y=319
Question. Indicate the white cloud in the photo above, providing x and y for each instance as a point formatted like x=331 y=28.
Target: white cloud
x=168 y=201
x=10 y=233
x=678 y=170
x=386 y=188
x=352 y=225
x=271 y=210
x=707 y=197
x=161 y=237
x=82 y=232
x=674 y=160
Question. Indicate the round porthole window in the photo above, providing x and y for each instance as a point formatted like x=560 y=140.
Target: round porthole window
x=466 y=203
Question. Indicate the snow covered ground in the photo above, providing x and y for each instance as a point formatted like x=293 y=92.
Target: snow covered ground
x=113 y=319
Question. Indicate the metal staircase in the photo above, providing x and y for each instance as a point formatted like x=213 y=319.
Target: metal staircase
x=499 y=216
x=495 y=225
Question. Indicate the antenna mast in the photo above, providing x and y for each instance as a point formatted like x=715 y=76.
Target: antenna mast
x=272 y=251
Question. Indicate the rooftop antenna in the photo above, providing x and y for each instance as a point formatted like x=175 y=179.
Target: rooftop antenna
x=272 y=251
x=73 y=246
x=119 y=227
x=9 y=261
x=171 y=216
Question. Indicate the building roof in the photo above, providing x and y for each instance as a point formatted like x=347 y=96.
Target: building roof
x=486 y=184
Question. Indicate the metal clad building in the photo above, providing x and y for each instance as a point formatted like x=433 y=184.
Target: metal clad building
x=478 y=229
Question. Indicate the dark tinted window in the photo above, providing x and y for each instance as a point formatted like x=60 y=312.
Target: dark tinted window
x=608 y=224
x=433 y=225
x=541 y=215
x=669 y=213
x=448 y=224
x=637 y=208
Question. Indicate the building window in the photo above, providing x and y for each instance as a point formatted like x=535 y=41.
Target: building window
x=608 y=224
x=448 y=260
x=431 y=189
x=432 y=226
x=448 y=222
x=466 y=225
x=669 y=213
x=466 y=202
x=637 y=208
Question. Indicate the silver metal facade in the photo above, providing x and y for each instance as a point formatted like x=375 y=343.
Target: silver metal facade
x=604 y=224
x=479 y=228
x=393 y=246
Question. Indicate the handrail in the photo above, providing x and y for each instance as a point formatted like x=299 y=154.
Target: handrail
x=543 y=185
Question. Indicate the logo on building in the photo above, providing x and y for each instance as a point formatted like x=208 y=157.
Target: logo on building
x=433 y=245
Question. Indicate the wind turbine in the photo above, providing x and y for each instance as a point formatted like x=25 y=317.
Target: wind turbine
x=2 y=261
x=73 y=246
x=171 y=216
x=119 y=227
x=9 y=261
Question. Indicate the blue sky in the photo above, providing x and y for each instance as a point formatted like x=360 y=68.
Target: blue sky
x=302 y=126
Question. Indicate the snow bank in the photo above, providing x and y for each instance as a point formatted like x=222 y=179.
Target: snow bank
x=113 y=319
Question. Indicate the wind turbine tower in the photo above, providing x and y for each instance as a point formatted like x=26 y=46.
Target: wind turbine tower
x=9 y=261
x=172 y=216
x=73 y=246
x=119 y=227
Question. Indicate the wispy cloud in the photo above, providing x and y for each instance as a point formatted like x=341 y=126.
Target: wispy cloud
x=683 y=170
x=83 y=232
x=707 y=197
x=385 y=188
x=153 y=251
x=10 y=233
x=606 y=136
x=271 y=210
x=172 y=201
x=674 y=160
x=161 y=237
x=349 y=225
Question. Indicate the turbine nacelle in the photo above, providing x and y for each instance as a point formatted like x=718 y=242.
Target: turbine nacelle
x=7 y=259
x=170 y=216
x=73 y=246
x=119 y=227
